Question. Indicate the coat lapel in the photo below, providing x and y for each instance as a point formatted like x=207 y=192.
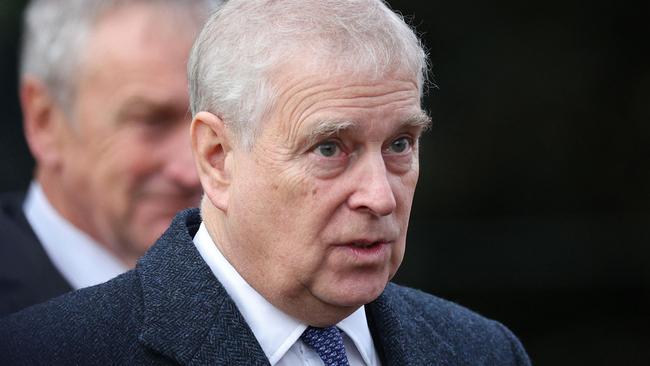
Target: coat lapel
x=188 y=315
x=398 y=329
x=190 y=318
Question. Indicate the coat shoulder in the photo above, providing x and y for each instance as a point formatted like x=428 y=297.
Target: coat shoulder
x=473 y=338
x=106 y=323
x=85 y=325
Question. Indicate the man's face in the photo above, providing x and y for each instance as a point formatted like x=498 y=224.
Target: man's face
x=126 y=160
x=320 y=207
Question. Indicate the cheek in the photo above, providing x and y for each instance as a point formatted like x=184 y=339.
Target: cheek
x=316 y=203
x=133 y=162
x=297 y=191
x=121 y=180
x=291 y=217
x=137 y=170
x=292 y=189
x=396 y=257
x=404 y=196
x=404 y=189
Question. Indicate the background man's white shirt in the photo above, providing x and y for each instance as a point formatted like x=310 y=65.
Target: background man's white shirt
x=81 y=260
x=278 y=333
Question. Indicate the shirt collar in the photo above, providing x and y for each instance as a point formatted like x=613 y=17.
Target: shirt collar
x=81 y=260
x=275 y=331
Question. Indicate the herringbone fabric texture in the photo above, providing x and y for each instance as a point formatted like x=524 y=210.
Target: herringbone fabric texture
x=328 y=343
x=171 y=310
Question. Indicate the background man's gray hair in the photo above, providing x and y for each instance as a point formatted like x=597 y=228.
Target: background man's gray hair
x=55 y=32
x=242 y=45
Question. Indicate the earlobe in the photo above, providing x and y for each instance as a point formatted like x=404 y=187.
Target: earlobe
x=41 y=122
x=212 y=154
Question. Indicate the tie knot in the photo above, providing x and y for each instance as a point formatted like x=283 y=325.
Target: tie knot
x=328 y=344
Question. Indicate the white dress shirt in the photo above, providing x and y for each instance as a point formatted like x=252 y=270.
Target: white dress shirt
x=81 y=260
x=277 y=332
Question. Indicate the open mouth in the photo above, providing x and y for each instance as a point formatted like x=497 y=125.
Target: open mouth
x=366 y=245
x=368 y=249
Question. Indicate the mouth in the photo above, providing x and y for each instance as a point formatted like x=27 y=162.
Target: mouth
x=368 y=249
x=366 y=244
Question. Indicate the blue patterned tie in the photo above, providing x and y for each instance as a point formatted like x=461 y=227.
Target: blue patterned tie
x=328 y=343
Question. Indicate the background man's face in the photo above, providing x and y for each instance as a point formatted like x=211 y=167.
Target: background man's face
x=320 y=206
x=127 y=166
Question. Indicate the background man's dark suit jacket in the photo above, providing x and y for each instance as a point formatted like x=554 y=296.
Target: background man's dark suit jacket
x=27 y=276
x=171 y=309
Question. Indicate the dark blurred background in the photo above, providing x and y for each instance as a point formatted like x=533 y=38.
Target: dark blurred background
x=533 y=202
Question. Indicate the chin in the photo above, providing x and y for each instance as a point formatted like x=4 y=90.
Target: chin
x=356 y=294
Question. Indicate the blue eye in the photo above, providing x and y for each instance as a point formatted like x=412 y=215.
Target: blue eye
x=327 y=149
x=400 y=145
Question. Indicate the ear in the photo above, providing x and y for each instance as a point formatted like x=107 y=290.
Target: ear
x=42 y=123
x=212 y=149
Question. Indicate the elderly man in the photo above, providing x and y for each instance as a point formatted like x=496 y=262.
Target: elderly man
x=305 y=135
x=105 y=103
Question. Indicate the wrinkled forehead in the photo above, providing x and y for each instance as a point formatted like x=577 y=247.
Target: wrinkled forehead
x=299 y=64
x=325 y=58
x=328 y=69
x=310 y=98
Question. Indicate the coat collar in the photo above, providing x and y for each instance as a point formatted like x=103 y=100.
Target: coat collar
x=188 y=316
x=397 y=328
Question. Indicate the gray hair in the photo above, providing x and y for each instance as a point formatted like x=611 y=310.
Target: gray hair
x=55 y=33
x=234 y=57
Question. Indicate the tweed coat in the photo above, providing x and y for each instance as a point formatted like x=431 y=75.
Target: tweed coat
x=172 y=310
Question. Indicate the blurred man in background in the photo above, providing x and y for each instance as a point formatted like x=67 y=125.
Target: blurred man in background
x=103 y=91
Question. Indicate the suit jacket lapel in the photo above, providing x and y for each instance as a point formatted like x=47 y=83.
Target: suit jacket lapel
x=397 y=330
x=188 y=315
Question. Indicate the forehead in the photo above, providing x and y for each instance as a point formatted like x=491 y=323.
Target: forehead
x=309 y=103
x=138 y=32
x=135 y=52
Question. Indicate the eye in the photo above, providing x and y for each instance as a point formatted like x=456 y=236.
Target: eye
x=328 y=149
x=400 y=145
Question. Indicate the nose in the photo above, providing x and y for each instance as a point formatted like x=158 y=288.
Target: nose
x=179 y=166
x=373 y=192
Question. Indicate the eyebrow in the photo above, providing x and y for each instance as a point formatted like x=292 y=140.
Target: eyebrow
x=418 y=120
x=327 y=127
x=331 y=127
